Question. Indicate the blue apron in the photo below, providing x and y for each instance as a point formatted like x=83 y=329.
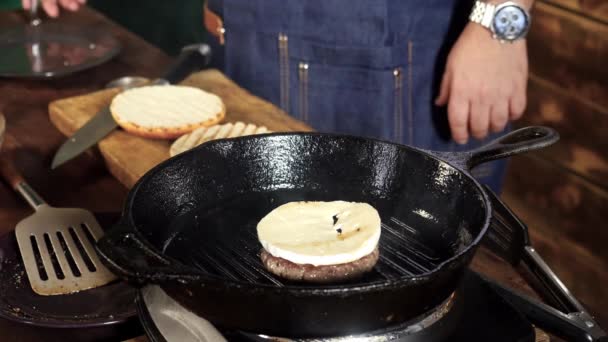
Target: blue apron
x=369 y=68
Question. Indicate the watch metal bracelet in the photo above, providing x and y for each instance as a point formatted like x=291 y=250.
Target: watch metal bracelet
x=482 y=13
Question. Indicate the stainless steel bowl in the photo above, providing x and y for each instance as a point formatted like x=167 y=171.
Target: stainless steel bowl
x=128 y=82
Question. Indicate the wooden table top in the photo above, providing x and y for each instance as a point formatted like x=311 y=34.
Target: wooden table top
x=84 y=182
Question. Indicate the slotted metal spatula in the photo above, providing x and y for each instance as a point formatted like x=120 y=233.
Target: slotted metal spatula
x=56 y=244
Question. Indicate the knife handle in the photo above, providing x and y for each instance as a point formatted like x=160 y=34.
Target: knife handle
x=191 y=58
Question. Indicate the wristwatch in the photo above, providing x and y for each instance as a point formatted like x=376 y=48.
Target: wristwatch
x=507 y=21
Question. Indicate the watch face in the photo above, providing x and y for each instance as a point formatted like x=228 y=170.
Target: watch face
x=510 y=22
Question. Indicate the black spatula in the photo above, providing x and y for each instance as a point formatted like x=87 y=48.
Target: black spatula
x=508 y=237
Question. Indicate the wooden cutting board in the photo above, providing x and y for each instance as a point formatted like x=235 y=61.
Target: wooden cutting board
x=129 y=157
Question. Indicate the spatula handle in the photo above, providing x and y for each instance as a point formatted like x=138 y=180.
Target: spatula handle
x=31 y=196
x=10 y=173
x=12 y=176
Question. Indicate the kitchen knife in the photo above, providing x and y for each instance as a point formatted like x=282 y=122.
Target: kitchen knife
x=192 y=58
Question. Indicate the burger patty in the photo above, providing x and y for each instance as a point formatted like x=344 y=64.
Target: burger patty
x=319 y=274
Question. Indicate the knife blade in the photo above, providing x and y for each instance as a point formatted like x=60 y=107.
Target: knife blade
x=192 y=58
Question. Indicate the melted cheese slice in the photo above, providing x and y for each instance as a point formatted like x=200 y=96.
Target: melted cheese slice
x=320 y=233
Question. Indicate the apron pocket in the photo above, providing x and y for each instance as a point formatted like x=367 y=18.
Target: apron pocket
x=354 y=91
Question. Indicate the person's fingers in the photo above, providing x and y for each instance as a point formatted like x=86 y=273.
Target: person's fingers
x=71 y=5
x=517 y=104
x=26 y=4
x=50 y=7
x=74 y=5
x=499 y=115
x=444 y=90
x=479 y=118
x=458 y=116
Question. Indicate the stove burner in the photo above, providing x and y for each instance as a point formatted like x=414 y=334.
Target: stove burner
x=473 y=313
x=394 y=333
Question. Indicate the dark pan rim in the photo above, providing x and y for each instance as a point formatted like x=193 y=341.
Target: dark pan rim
x=313 y=289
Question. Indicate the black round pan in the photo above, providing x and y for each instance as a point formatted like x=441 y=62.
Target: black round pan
x=190 y=225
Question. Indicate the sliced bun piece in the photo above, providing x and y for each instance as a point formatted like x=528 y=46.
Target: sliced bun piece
x=166 y=111
x=204 y=134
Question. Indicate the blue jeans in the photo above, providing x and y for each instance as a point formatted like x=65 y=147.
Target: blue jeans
x=369 y=68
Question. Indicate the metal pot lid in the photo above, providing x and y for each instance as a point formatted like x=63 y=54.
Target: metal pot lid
x=52 y=49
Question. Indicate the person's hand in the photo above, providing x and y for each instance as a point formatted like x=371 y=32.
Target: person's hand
x=484 y=84
x=51 y=7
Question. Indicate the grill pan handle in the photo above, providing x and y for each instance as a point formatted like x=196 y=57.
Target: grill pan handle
x=128 y=256
x=568 y=319
x=576 y=326
x=521 y=140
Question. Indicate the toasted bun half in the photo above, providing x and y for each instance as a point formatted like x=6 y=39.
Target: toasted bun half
x=166 y=111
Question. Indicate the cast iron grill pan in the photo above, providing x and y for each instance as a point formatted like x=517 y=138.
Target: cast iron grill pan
x=189 y=225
